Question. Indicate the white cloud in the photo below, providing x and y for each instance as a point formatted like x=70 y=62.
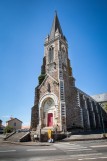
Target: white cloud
x=6 y=116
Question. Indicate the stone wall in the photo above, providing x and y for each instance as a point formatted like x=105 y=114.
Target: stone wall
x=34 y=117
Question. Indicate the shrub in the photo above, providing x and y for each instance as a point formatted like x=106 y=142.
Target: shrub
x=41 y=78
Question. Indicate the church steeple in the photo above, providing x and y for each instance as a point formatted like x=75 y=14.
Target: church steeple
x=55 y=27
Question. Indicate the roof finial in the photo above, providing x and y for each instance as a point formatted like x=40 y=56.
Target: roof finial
x=55 y=12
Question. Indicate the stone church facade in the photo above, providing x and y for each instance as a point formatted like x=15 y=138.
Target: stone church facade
x=58 y=102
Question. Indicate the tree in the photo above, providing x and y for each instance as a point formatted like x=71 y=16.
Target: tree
x=8 y=129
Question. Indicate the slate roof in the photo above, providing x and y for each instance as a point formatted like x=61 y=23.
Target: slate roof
x=55 y=26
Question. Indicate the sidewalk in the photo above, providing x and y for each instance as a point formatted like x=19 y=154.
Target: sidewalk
x=84 y=137
x=68 y=139
x=29 y=143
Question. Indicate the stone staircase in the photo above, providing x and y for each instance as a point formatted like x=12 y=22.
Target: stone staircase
x=35 y=135
x=43 y=132
x=17 y=137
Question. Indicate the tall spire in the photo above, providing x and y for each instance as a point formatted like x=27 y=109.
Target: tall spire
x=55 y=27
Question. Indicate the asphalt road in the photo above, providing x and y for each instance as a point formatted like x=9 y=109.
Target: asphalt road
x=63 y=151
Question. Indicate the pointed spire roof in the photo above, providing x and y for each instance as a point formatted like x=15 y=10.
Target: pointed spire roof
x=55 y=27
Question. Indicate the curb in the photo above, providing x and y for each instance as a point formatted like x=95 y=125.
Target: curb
x=23 y=144
x=83 y=139
x=49 y=144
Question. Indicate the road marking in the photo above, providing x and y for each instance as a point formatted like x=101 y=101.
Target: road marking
x=78 y=149
x=93 y=158
x=88 y=159
x=98 y=146
x=82 y=155
x=65 y=144
x=7 y=151
x=102 y=157
x=40 y=149
x=73 y=146
x=71 y=157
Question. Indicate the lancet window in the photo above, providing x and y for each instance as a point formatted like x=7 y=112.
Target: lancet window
x=51 y=55
x=63 y=55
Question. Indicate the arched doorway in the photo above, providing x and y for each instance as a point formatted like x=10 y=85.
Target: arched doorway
x=48 y=111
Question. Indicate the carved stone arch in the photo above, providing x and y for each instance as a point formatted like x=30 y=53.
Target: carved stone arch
x=48 y=104
x=50 y=46
x=48 y=95
x=63 y=54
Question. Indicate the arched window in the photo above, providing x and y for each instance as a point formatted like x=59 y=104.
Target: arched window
x=64 y=59
x=51 y=55
x=48 y=87
x=63 y=53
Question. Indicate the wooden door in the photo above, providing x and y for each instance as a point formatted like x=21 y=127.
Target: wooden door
x=50 y=119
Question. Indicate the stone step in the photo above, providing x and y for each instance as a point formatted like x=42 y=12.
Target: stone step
x=47 y=128
x=16 y=136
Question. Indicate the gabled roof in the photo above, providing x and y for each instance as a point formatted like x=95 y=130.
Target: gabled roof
x=13 y=119
x=47 y=75
x=55 y=27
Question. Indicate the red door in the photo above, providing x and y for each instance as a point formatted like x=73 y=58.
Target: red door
x=50 y=119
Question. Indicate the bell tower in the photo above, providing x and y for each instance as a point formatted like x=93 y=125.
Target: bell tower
x=52 y=47
x=55 y=82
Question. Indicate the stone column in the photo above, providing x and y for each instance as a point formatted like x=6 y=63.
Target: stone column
x=56 y=107
x=80 y=109
x=87 y=113
x=81 y=117
x=98 y=121
x=93 y=115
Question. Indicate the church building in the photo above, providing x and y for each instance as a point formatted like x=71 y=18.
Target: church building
x=58 y=102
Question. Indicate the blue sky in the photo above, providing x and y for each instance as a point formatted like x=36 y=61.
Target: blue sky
x=24 y=24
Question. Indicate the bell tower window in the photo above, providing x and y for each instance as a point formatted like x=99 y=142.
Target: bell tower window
x=51 y=55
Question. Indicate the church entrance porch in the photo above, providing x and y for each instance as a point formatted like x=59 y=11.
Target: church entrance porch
x=48 y=115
